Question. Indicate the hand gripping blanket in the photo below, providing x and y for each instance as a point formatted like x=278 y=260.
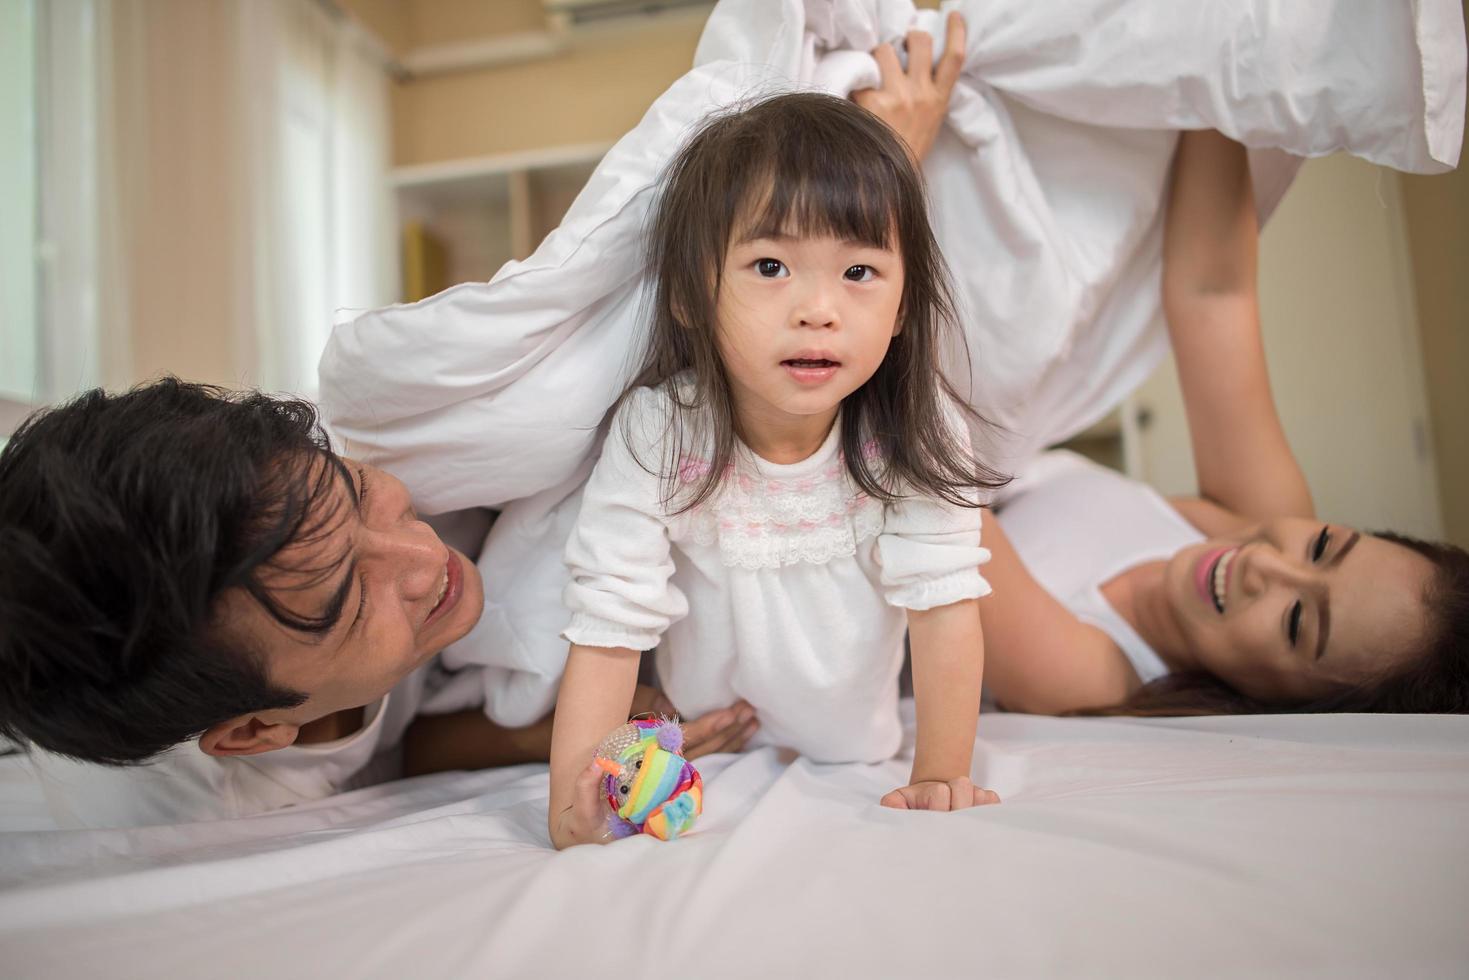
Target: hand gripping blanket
x=1047 y=188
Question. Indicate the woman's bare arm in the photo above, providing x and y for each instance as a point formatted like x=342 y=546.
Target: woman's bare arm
x=1039 y=657
x=1211 y=235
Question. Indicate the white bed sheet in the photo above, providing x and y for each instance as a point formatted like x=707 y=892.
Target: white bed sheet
x=1273 y=846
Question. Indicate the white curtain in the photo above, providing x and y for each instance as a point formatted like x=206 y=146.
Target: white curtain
x=322 y=221
x=55 y=213
x=212 y=185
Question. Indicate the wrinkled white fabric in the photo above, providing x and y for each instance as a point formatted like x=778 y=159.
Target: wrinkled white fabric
x=1271 y=846
x=1048 y=184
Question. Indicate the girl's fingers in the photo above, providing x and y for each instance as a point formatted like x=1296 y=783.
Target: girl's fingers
x=920 y=56
x=895 y=799
x=961 y=794
x=956 y=35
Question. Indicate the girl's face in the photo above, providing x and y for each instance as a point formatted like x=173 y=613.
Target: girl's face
x=802 y=322
x=1292 y=609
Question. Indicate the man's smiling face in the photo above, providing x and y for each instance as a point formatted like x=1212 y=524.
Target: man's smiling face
x=388 y=594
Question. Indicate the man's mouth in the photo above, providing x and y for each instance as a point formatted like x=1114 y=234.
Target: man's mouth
x=450 y=589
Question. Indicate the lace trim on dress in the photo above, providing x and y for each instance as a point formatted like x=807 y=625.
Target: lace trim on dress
x=759 y=522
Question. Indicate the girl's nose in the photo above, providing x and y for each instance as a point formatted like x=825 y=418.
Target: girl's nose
x=816 y=309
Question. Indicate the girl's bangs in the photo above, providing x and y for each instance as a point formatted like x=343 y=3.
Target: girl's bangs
x=806 y=191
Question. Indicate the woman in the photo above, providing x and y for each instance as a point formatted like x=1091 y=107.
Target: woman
x=1108 y=599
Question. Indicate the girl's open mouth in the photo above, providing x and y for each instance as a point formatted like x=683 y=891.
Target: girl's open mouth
x=811 y=370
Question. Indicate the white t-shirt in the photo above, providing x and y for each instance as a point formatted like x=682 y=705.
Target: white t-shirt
x=1077 y=525
x=788 y=588
x=184 y=784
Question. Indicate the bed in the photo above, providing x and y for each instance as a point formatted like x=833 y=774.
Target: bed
x=1251 y=846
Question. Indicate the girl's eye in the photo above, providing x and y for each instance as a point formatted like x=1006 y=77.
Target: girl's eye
x=860 y=273
x=1318 y=548
x=771 y=268
x=1294 y=627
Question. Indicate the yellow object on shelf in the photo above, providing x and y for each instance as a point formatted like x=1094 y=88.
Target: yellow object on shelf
x=424 y=263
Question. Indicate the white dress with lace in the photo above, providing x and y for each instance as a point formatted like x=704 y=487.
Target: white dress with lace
x=788 y=587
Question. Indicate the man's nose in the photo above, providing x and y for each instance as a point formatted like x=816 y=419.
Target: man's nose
x=410 y=552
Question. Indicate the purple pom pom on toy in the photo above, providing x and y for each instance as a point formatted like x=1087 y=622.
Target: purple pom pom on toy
x=670 y=737
x=619 y=828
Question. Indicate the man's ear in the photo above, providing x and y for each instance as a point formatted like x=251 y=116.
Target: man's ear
x=247 y=735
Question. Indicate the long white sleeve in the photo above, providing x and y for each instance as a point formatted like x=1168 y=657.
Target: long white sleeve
x=619 y=556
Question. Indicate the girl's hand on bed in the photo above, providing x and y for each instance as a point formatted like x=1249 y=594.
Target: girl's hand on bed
x=585 y=821
x=915 y=103
x=938 y=794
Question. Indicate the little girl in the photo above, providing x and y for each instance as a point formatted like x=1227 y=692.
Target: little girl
x=788 y=483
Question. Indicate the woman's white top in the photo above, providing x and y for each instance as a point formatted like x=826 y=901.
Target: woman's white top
x=788 y=587
x=1077 y=525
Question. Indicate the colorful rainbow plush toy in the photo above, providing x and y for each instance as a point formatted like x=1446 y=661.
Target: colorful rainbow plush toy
x=651 y=788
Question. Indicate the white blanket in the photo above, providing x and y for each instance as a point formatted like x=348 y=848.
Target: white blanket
x=1316 y=846
x=1048 y=184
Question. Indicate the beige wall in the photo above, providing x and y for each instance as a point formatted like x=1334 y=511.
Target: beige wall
x=1438 y=237
x=593 y=92
x=405 y=24
x=388 y=19
x=450 y=21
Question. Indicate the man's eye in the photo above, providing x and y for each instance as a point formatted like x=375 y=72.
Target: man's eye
x=362 y=600
x=860 y=273
x=1294 y=627
x=770 y=268
x=1318 y=548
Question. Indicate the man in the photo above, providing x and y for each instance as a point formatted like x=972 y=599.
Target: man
x=205 y=612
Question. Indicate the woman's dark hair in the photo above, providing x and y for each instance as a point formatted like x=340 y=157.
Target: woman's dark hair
x=806 y=164
x=1435 y=681
x=123 y=519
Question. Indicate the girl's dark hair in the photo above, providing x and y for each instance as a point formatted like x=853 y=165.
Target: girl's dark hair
x=123 y=519
x=815 y=165
x=1436 y=680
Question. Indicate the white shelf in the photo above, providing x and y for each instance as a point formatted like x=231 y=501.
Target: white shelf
x=473 y=169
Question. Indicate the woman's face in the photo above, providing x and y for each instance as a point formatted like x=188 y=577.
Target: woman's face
x=1293 y=609
x=401 y=596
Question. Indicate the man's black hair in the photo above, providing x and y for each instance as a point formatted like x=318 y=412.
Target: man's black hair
x=123 y=519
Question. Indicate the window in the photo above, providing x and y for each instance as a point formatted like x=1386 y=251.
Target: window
x=19 y=316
